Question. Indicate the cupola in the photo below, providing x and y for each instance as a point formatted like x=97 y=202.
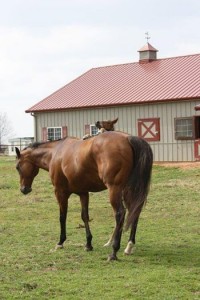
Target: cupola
x=147 y=53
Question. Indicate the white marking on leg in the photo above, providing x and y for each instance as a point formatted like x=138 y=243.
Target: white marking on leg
x=129 y=248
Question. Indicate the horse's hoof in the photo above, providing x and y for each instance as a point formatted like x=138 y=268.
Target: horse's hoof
x=59 y=247
x=88 y=248
x=112 y=257
x=56 y=248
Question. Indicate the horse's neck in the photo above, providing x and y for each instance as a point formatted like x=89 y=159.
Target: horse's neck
x=42 y=157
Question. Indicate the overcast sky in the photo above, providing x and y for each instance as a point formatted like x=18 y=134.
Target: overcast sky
x=44 y=44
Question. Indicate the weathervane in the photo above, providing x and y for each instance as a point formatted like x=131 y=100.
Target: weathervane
x=147 y=37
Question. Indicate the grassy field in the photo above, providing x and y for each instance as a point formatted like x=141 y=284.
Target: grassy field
x=165 y=264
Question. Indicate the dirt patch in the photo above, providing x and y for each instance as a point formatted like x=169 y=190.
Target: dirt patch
x=182 y=165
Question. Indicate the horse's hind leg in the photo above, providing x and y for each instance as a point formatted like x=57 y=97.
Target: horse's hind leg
x=119 y=211
x=131 y=242
x=84 y=198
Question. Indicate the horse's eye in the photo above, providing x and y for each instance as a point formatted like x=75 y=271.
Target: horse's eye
x=18 y=168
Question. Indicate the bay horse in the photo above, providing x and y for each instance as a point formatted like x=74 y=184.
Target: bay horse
x=115 y=161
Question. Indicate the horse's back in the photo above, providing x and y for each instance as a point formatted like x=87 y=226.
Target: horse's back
x=96 y=163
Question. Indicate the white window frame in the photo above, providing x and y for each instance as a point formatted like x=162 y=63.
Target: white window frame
x=184 y=130
x=54 y=134
x=93 y=129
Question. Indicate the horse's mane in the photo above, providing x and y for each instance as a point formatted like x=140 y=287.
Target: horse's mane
x=38 y=144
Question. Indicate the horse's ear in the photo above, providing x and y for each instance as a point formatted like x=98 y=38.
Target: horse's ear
x=17 y=152
x=115 y=121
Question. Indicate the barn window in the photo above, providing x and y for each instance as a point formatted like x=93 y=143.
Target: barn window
x=184 y=128
x=54 y=133
x=93 y=130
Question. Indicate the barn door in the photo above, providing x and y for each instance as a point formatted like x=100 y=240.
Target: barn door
x=149 y=129
x=197 y=137
x=197 y=149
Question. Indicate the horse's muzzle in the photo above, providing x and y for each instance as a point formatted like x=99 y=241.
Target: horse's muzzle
x=25 y=190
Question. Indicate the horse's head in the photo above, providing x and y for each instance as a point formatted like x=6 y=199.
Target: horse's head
x=27 y=170
x=107 y=125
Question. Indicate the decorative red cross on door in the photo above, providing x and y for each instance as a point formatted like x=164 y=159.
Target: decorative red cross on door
x=149 y=129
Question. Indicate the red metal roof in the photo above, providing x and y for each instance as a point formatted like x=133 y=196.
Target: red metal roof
x=176 y=78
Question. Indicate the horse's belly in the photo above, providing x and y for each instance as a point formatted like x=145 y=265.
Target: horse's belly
x=84 y=185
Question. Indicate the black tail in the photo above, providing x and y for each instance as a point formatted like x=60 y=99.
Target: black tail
x=137 y=188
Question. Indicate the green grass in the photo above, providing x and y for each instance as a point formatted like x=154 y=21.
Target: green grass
x=165 y=264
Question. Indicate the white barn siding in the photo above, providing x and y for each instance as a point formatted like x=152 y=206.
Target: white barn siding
x=167 y=149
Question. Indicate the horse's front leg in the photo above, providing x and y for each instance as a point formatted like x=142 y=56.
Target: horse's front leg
x=84 y=198
x=131 y=242
x=62 y=198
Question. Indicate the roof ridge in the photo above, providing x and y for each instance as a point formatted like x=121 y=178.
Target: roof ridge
x=115 y=65
x=178 y=56
x=136 y=62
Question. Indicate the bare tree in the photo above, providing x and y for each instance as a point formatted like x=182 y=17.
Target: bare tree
x=6 y=129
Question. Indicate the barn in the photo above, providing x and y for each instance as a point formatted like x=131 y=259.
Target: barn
x=157 y=99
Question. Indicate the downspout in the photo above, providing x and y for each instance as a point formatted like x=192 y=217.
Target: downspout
x=35 y=127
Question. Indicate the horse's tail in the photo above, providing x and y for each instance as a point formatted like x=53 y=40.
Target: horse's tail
x=137 y=188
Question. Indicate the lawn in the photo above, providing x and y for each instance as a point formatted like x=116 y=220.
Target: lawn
x=165 y=264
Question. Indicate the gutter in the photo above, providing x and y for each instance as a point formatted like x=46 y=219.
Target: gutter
x=35 y=126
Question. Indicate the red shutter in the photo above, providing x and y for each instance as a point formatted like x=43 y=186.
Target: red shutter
x=44 y=134
x=87 y=129
x=64 y=131
x=149 y=129
x=197 y=149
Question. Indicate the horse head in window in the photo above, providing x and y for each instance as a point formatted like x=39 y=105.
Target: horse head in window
x=106 y=125
x=102 y=127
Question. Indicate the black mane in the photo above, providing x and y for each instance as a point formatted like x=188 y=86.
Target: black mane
x=38 y=144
